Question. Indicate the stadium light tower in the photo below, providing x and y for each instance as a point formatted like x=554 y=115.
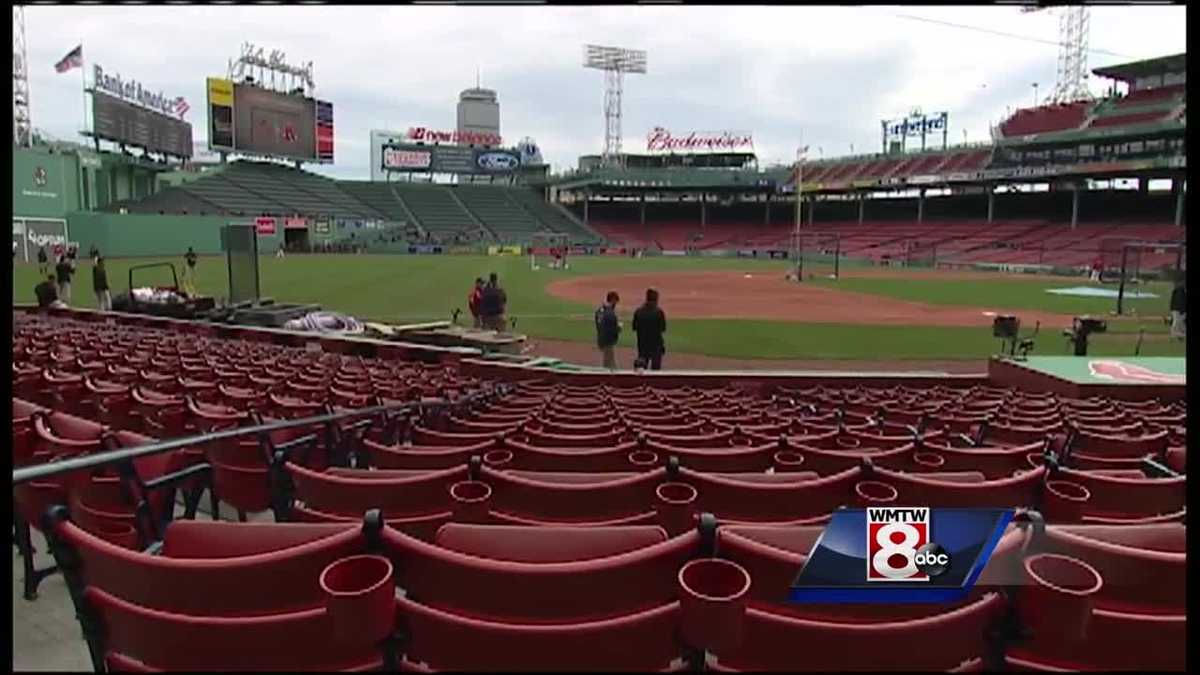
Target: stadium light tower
x=1074 y=23
x=615 y=62
x=22 y=122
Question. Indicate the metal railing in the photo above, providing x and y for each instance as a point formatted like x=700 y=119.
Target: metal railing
x=118 y=456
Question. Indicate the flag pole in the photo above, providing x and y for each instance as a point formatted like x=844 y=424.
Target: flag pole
x=83 y=81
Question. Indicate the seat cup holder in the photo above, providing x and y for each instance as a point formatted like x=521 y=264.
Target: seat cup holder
x=847 y=442
x=712 y=597
x=470 y=499
x=1035 y=460
x=360 y=599
x=787 y=460
x=118 y=534
x=1056 y=599
x=928 y=460
x=1065 y=501
x=498 y=459
x=643 y=459
x=869 y=493
x=676 y=507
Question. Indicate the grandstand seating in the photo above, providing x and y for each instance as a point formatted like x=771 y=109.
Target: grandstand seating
x=1046 y=118
x=435 y=209
x=552 y=216
x=575 y=540
x=507 y=220
x=381 y=198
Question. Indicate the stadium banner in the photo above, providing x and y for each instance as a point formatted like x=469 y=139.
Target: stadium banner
x=270 y=123
x=123 y=122
x=463 y=250
x=321 y=226
x=667 y=252
x=505 y=250
x=425 y=249
x=220 y=114
x=295 y=223
x=897 y=555
x=959 y=177
x=264 y=225
x=922 y=180
x=864 y=183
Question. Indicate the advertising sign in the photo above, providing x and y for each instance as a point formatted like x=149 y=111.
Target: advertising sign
x=424 y=135
x=447 y=159
x=295 y=224
x=661 y=140
x=220 y=113
x=133 y=92
x=324 y=131
x=407 y=159
x=123 y=122
x=264 y=225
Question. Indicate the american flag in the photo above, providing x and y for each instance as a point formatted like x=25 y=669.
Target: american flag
x=181 y=107
x=73 y=59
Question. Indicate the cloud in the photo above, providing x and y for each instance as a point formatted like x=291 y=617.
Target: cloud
x=829 y=73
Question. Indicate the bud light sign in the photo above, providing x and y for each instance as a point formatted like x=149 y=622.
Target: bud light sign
x=900 y=555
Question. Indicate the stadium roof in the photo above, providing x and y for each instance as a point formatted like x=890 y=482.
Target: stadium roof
x=1176 y=63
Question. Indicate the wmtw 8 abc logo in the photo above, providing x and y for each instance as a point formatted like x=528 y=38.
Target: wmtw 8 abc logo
x=899 y=546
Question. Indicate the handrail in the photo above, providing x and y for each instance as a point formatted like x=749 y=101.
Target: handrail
x=90 y=461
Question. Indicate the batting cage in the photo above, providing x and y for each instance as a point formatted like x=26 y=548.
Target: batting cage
x=1140 y=264
x=919 y=253
x=549 y=250
x=816 y=253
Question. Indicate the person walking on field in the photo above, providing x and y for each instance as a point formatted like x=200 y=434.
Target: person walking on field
x=473 y=301
x=1179 y=311
x=608 y=329
x=492 y=304
x=43 y=262
x=100 y=285
x=1097 y=269
x=189 y=272
x=63 y=272
x=650 y=323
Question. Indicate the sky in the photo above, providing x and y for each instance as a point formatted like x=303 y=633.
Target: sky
x=821 y=76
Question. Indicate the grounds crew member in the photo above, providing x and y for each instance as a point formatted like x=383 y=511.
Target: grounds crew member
x=63 y=272
x=189 y=272
x=100 y=285
x=650 y=323
x=492 y=304
x=608 y=329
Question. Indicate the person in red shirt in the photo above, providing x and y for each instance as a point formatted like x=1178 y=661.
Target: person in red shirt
x=473 y=302
x=1097 y=269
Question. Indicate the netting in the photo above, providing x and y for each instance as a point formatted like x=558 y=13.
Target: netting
x=819 y=253
x=550 y=251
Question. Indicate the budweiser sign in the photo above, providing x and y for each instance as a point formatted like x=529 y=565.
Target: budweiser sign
x=661 y=140
x=457 y=137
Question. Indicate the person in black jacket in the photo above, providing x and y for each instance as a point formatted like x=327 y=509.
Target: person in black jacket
x=43 y=261
x=100 y=285
x=1179 y=311
x=63 y=271
x=650 y=323
x=492 y=305
x=46 y=292
x=608 y=329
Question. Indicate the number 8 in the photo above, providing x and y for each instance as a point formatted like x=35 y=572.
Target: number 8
x=881 y=560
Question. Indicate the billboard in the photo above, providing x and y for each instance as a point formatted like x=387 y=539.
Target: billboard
x=396 y=157
x=123 y=122
x=251 y=119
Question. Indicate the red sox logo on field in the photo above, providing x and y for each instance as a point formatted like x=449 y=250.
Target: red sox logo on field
x=1129 y=372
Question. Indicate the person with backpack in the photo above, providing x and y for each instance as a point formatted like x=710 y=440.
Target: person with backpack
x=473 y=300
x=100 y=285
x=650 y=323
x=63 y=272
x=608 y=329
x=492 y=304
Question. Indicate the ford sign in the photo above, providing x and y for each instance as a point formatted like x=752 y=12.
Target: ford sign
x=497 y=161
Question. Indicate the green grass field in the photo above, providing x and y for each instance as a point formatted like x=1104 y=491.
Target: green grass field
x=421 y=288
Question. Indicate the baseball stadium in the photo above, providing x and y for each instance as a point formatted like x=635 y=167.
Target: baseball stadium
x=431 y=419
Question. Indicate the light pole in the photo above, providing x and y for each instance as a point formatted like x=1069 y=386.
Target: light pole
x=1035 y=98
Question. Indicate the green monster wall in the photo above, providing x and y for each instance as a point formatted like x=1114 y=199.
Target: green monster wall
x=136 y=235
x=45 y=184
